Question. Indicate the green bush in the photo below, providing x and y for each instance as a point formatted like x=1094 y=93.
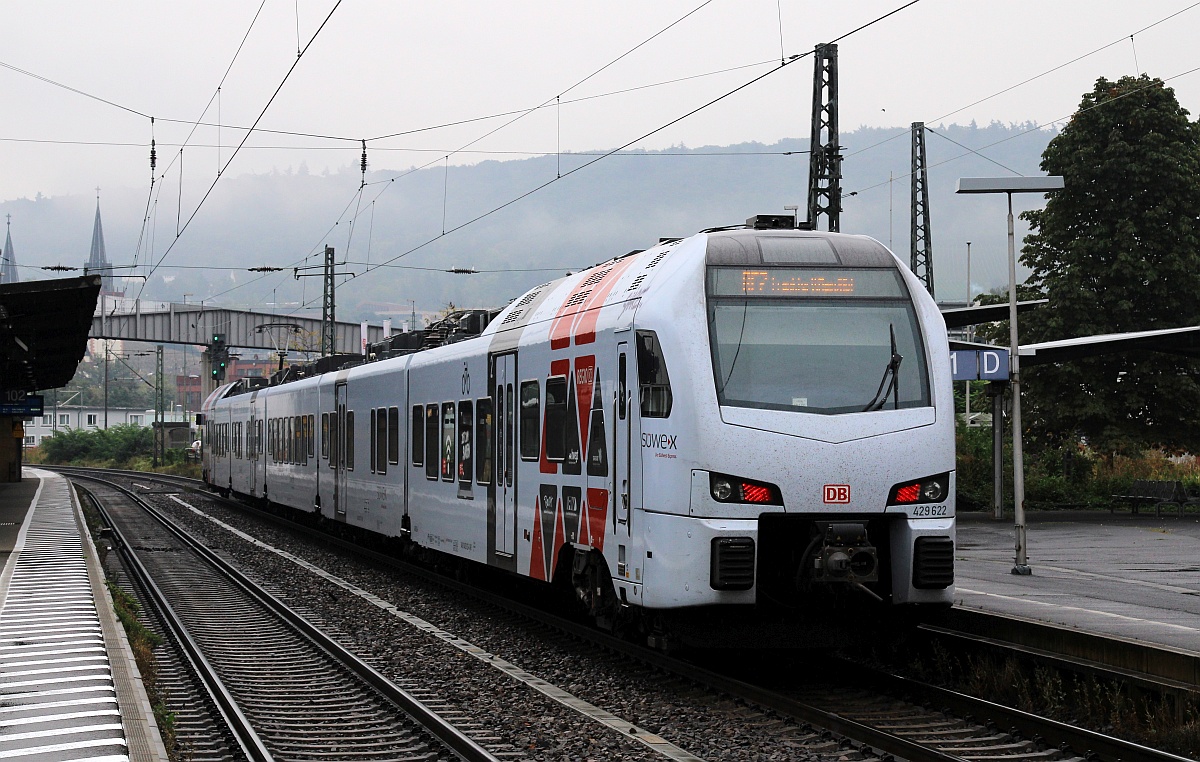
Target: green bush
x=117 y=444
x=1060 y=475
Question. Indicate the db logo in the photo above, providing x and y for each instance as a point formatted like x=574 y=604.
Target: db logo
x=837 y=493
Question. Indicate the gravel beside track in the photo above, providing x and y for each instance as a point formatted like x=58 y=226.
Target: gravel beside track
x=303 y=703
x=708 y=726
x=375 y=610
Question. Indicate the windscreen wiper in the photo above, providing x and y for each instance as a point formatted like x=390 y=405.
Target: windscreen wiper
x=890 y=374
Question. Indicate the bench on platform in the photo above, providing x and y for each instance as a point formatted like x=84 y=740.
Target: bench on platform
x=1158 y=493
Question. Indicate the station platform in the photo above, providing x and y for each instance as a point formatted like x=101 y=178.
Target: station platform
x=1133 y=577
x=69 y=686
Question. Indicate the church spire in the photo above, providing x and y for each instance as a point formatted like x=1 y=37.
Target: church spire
x=8 y=265
x=98 y=262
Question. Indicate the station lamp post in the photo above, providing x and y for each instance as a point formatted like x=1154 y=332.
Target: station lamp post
x=1009 y=186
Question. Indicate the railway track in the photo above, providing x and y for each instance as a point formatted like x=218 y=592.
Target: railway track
x=872 y=713
x=282 y=688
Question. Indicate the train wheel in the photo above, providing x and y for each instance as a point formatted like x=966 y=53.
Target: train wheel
x=593 y=587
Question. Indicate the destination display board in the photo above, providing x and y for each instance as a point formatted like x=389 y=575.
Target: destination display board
x=22 y=404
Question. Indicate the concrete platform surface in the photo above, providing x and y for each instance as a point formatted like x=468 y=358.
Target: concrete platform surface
x=1130 y=576
x=69 y=686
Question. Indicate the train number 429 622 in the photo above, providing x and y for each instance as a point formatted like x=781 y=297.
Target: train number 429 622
x=930 y=510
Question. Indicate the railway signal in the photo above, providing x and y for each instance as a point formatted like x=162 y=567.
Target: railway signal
x=218 y=350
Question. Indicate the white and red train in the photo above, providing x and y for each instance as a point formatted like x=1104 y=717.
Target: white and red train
x=755 y=418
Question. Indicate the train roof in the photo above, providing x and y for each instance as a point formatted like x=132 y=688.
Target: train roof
x=765 y=240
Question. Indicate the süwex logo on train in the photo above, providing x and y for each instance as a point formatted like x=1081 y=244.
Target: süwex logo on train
x=663 y=444
x=659 y=441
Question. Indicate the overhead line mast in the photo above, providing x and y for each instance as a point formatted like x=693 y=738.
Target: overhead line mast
x=921 y=244
x=825 y=158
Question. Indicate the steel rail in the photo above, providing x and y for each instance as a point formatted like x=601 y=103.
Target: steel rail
x=1032 y=725
x=881 y=740
x=1082 y=740
x=243 y=733
x=438 y=727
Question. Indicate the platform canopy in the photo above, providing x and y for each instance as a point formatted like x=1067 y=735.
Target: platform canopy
x=44 y=328
x=961 y=317
x=1174 y=341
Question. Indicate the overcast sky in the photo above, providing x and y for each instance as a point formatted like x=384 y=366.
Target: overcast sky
x=380 y=67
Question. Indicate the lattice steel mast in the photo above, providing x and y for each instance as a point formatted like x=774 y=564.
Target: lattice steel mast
x=921 y=246
x=825 y=159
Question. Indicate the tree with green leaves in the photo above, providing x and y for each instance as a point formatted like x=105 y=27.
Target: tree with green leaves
x=1118 y=249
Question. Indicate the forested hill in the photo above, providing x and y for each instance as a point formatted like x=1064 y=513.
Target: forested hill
x=621 y=203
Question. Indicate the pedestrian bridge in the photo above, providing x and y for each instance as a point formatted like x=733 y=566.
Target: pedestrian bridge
x=173 y=323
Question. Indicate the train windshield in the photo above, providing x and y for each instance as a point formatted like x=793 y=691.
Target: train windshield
x=825 y=341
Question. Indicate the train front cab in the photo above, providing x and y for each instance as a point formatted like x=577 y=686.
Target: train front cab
x=821 y=433
x=216 y=440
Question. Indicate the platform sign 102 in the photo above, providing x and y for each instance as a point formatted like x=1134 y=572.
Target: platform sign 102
x=20 y=403
x=979 y=364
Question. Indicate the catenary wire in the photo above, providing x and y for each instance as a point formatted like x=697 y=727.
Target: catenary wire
x=271 y=100
x=607 y=154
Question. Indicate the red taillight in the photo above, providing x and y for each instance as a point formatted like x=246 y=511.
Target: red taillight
x=908 y=493
x=755 y=493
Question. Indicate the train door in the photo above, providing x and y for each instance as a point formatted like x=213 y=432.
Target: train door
x=339 y=444
x=252 y=453
x=622 y=444
x=504 y=401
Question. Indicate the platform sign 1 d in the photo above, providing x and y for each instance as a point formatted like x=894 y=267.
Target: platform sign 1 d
x=979 y=364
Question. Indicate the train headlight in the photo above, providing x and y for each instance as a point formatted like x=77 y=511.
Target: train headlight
x=734 y=489
x=721 y=488
x=931 y=489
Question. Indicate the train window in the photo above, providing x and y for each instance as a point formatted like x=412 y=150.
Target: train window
x=431 y=441
x=374 y=437
x=291 y=439
x=654 y=386
x=509 y=426
x=484 y=441
x=418 y=435
x=531 y=420
x=324 y=435
x=597 y=450
x=622 y=372
x=349 y=440
x=556 y=418
x=310 y=431
x=258 y=437
x=466 y=414
x=393 y=438
x=333 y=440
x=381 y=438
x=448 y=442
